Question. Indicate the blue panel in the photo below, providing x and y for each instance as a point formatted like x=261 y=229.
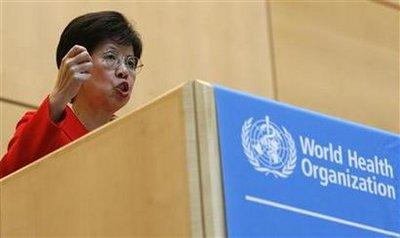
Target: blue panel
x=292 y=172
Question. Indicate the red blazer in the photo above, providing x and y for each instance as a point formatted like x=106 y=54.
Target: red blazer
x=37 y=135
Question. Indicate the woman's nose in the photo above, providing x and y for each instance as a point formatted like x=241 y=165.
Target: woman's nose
x=122 y=71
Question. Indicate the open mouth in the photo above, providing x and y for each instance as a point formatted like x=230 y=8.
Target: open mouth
x=123 y=87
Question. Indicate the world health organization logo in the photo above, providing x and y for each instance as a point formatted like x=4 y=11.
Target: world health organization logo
x=269 y=149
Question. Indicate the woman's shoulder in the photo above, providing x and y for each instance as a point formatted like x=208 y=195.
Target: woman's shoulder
x=26 y=117
x=41 y=112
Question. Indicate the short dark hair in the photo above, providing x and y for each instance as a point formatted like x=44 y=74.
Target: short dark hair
x=91 y=29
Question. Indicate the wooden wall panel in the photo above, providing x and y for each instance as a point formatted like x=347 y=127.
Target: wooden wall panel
x=225 y=43
x=9 y=116
x=339 y=58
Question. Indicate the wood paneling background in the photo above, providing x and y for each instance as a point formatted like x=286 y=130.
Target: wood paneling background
x=339 y=58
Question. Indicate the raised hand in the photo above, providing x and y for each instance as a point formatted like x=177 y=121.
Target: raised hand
x=74 y=70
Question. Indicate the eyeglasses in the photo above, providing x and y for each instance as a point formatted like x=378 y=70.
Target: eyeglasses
x=113 y=61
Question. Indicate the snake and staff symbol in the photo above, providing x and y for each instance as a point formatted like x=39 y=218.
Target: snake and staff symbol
x=268 y=141
x=269 y=148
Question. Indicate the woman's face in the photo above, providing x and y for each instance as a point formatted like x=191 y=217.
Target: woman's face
x=113 y=76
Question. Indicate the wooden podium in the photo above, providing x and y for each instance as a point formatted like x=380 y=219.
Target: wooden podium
x=268 y=169
x=154 y=172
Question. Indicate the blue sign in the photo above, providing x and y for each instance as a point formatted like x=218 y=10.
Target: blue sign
x=292 y=172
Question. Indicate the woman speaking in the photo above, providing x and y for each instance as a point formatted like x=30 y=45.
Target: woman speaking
x=98 y=58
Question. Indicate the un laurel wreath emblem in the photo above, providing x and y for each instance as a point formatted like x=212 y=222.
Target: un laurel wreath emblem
x=269 y=149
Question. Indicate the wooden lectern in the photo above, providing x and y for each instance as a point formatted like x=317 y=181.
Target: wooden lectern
x=154 y=172
x=159 y=171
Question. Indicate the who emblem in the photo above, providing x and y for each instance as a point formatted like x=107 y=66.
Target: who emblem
x=269 y=149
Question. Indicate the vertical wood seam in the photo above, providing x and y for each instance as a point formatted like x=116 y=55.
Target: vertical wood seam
x=274 y=79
